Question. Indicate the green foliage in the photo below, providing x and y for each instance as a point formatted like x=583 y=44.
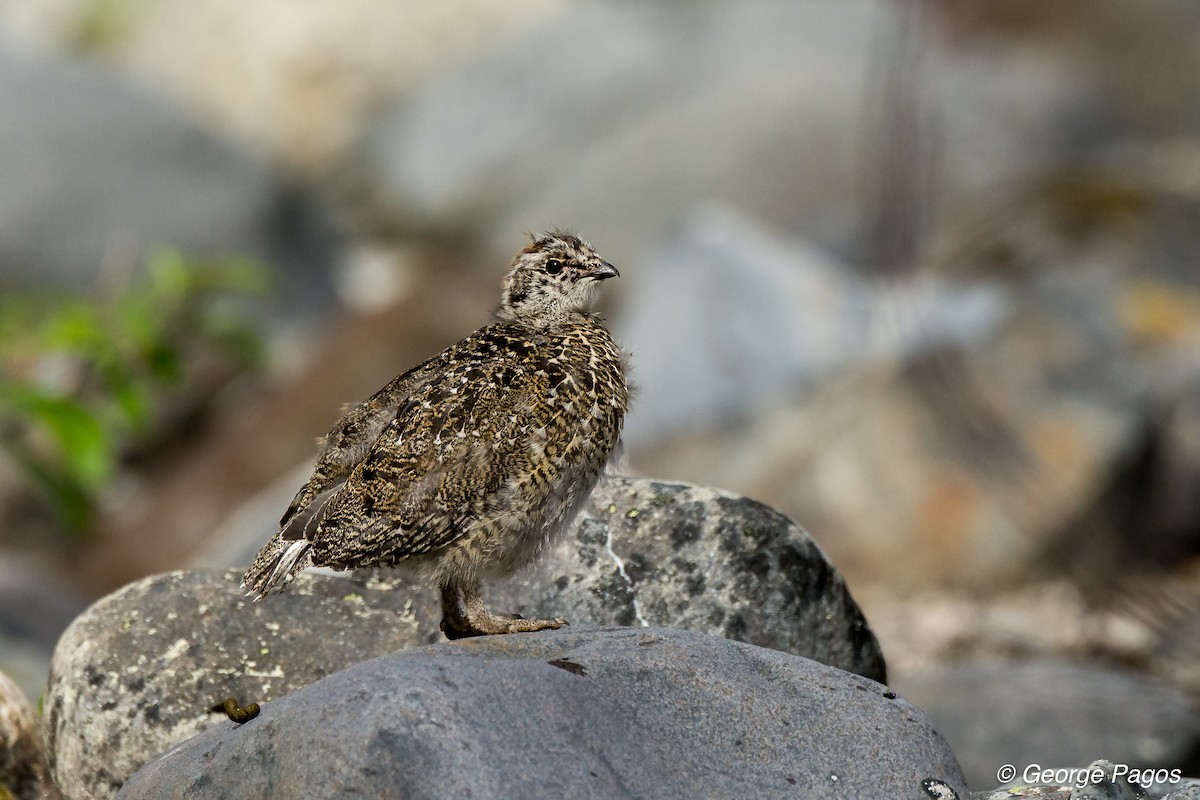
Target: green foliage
x=82 y=377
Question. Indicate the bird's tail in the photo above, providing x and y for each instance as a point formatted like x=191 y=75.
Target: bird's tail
x=277 y=564
x=288 y=553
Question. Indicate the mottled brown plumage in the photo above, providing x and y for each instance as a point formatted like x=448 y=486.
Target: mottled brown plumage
x=470 y=463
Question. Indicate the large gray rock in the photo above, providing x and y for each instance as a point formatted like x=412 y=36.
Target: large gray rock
x=149 y=665
x=676 y=555
x=143 y=668
x=584 y=714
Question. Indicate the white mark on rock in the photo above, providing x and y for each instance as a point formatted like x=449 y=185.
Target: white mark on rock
x=277 y=672
x=637 y=611
x=175 y=650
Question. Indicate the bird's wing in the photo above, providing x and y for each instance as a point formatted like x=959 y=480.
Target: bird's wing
x=350 y=440
x=434 y=469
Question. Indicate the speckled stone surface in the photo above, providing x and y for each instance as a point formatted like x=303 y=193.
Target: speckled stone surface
x=682 y=556
x=601 y=713
x=143 y=668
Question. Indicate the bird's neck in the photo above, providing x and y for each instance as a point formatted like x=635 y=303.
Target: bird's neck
x=546 y=318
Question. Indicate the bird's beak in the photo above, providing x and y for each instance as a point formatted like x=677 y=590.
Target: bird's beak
x=602 y=272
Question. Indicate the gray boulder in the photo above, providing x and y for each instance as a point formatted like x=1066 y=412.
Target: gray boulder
x=148 y=666
x=673 y=555
x=681 y=556
x=151 y=664
x=792 y=316
x=585 y=714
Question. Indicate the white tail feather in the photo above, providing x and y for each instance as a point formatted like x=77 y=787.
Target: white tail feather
x=284 y=567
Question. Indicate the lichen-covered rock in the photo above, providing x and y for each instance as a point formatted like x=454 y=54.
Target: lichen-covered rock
x=23 y=771
x=574 y=713
x=145 y=667
x=682 y=556
x=150 y=665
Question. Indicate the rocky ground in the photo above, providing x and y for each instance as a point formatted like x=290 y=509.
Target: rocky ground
x=757 y=676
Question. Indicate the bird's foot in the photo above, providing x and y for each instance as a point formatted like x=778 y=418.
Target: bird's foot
x=496 y=623
x=471 y=617
x=478 y=621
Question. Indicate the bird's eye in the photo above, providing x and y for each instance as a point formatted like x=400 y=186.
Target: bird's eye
x=554 y=266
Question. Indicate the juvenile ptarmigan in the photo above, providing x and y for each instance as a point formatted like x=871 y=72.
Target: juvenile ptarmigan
x=470 y=463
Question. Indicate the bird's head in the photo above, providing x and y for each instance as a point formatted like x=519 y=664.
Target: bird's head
x=554 y=276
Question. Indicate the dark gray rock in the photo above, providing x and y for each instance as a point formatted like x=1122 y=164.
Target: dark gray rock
x=585 y=714
x=681 y=556
x=1191 y=791
x=144 y=667
x=1054 y=714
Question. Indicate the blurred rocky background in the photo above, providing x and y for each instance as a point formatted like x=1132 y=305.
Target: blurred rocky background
x=922 y=275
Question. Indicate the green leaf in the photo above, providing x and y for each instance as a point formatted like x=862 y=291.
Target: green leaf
x=82 y=442
x=70 y=499
x=132 y=404
x=74 y=327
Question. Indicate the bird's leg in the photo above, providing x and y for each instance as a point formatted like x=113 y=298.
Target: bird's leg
x=470 y=617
